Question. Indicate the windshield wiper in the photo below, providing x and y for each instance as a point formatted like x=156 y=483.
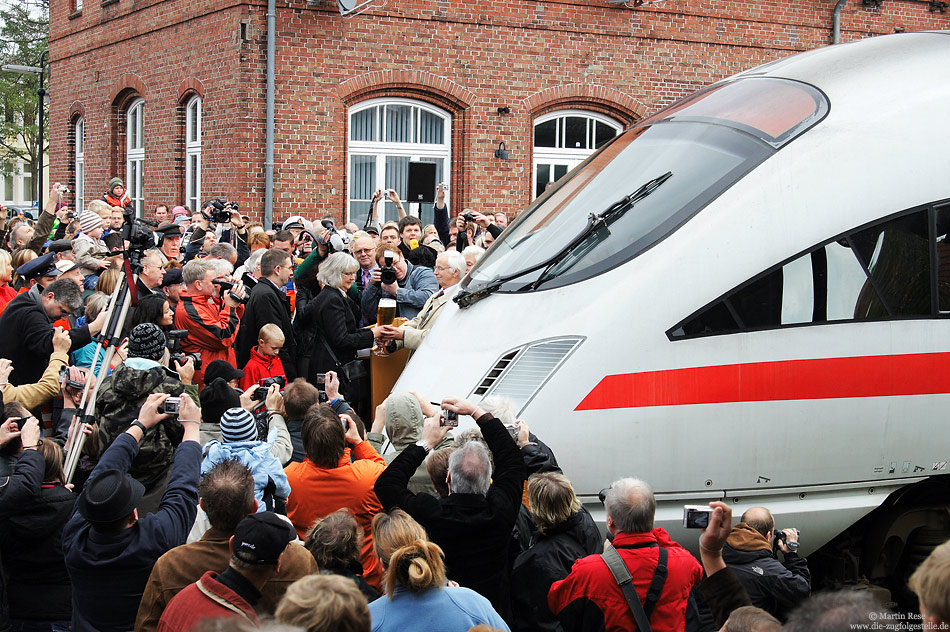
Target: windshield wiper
x=594 y=223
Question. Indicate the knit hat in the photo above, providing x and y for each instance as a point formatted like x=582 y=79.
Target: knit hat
x=217 y=397
x=179 y=210
x=237 y=425
x=89 y=221
x=115 y=182
x=146 y=341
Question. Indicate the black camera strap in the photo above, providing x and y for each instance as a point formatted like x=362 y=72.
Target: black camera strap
x=624 y=579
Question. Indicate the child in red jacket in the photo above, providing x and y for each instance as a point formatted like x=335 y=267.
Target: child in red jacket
x=264 y=362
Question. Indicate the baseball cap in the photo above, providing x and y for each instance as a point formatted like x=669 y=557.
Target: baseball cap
x=261 y=537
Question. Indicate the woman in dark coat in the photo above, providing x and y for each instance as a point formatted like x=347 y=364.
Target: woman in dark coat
x=331 y=316
x=31 y=546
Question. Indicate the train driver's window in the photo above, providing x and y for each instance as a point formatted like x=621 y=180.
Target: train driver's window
x=942 y=239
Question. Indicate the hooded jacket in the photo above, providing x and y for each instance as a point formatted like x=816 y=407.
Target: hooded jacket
x=121 y=397
x=258 y=458
x=404 y=427
x=772 y=586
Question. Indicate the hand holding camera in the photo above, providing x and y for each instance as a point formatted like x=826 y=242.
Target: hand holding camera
x=264 y=387
x=433 y=431
x=351 y=430
x=154 y=409
x=714 y=536
x=460 y=406
x=331 y=385
x=786 y=540
x=274 y=400
x=186 y=369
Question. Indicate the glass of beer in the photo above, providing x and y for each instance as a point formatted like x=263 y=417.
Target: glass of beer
x=385 y=314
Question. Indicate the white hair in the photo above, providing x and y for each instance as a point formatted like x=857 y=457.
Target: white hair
x=252 y=263
x=196 y=269
x=222 y=267
x=455 y=261
x=473 y=251
x=332 y=269
x=470 y=469
x=631 y=505
x=500 y=407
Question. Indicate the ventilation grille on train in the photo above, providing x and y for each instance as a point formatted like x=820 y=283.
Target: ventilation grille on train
x=519 y=374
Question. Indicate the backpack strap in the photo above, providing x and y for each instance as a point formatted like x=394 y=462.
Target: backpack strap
x=659 y=579
x=623 y=578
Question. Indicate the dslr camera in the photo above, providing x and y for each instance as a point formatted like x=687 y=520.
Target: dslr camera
x=468 y=217
x=335 y=243
x=387 y=274
x=219 y=210
x=260 y=393
x=175 y=352
x=227 y=286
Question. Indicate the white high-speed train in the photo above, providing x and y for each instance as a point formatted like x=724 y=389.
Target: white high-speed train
x=743 y=297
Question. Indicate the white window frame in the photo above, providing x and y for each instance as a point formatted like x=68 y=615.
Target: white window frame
x=193 y=120
x=381 y=149
x=135 y=155
x=79 y=129
x=564 y=156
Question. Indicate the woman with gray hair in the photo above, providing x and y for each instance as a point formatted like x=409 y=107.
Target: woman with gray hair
x=333 y=316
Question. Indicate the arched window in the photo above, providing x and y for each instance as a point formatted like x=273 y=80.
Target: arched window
x=563 y=139
x=385 y=135
x=79 y=166
x=135 y=155
x=193 y=153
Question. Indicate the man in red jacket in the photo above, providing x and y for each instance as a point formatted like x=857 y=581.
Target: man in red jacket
x=256 y=548
x=211 y=320
x=590 y=599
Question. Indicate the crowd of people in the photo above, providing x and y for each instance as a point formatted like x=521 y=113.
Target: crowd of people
x=207 y=457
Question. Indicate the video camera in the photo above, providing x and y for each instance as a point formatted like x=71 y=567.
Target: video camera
x=174 y=349
x=260 y=393
x=227 y=286
x=336 y=242
x=139 y=235
x=781 y=537
x=65 y=381
x=387 y=274
x=219 y=210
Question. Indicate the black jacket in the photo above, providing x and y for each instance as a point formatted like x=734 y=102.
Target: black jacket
x=28 y=338
x=16 y=490
x=773 y=587
x=267 y=304
x=331 y=316
x=548 y=560
x=473 y=530
x=31 y=543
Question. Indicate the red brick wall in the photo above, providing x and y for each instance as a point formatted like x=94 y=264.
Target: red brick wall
x=467 y=57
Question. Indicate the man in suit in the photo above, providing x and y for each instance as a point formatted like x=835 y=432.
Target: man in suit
x=269 y=304
x=449 y=270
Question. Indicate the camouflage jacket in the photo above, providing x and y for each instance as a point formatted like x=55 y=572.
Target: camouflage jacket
x=121 y=397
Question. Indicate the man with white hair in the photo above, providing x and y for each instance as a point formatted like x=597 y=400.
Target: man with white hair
x=449 y=270
x=473 y=523
x=662 y=571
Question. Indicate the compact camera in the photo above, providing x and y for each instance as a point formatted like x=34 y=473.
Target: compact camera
x=450 y=418
x=387 y=274
x=513 y=431
x=171 y=406
x=696 y=516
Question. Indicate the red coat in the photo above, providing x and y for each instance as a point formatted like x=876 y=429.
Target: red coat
x=590 y=599
x=260 y=367
x=316 y=492
x=205 y=599
x=212 y=329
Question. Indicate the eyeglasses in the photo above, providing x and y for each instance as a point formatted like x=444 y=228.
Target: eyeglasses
x=443 y=268
x=362 y=250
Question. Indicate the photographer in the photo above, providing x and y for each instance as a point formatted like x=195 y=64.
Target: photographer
x=122 y=393
x=212 y=318
x=51 y=218
x=773 y=586
x=231 y=230
x=410 y=285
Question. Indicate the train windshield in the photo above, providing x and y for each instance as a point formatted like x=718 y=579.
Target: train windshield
x=685 y=156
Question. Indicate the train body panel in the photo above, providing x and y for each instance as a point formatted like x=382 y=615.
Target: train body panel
x=823 y=420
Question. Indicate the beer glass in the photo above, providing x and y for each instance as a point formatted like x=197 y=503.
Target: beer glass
x=385 y=314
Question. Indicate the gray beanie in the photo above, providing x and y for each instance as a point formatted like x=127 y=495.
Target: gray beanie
x=147 y=340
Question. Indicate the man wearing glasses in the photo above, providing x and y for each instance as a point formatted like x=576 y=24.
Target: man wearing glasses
x=150 y=278
x=364 y=249
x=28 y=322
x=268 y=304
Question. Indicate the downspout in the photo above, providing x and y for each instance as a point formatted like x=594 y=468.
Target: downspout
x=269 y=116
x=836 y=23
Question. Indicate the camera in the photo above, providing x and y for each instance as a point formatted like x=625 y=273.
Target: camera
x=321 y=388
x=260 y=393
x=174 y=348
x=63 y=189
x=65 y=381
x=696 y=516
x=468 y=217
x=335 y=243
x=513 y=431
x=172 y=406
x=227 y=286
x=219 y=210
x=781 y=537
x=450 y=418
x=387 y=274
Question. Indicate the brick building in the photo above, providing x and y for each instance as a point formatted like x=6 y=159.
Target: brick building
x=170 y=94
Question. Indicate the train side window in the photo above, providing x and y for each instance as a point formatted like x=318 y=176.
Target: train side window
x=896 y=253
x=942 y=239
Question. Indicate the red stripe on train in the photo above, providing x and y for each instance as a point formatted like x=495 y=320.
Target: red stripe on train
x=826 y=378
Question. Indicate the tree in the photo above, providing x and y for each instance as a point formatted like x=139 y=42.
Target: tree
x=24 y=35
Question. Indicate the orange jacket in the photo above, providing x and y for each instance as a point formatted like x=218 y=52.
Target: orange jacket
x=317 y=492
x=212 y=329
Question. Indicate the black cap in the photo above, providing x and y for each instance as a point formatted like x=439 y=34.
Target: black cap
x=172 y=277
x=170 y=230
x=110 y=496
x=39 y=267
x=60 y=245
x=222 y=369
x=261 y=538
x=372 y=230
x=217 y=397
